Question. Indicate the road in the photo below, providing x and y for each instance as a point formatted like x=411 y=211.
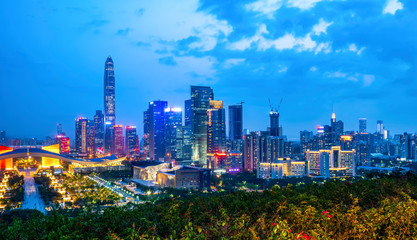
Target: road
x=127 y=195
x=33 y=199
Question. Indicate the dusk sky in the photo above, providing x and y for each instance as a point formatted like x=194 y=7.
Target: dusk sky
x=358 y=55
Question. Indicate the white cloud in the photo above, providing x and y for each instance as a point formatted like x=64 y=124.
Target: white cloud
x=265 y=7
x=287 y=41
x=282 y=69
x=233 y=62
x=321 y=27
x=367 y=79
x=313 y=69
x=392 y=6
x=303 y=4
x=353 y=48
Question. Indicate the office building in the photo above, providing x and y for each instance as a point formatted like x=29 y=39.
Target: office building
x=84 y=136
x=362 y=125
x=380 y=127
x=235 y=122
x=132 y=142
x=59 y=129
x=118 y=141
x=155 y=129
x=187 y=112
x=99 y=132
x=200 y=103
x=64 y=144
x=216 y=128
x=333 y=162
x=173 y=120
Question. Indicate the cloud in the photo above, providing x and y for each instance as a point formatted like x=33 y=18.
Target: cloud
x=140 y=11
x=265 y=7
x=286 y=42
x=303 y=4
x=321 y=27
x=123 y=32
x=233 y=62
x=169 y=61
x=367 y=79
x=392 y=6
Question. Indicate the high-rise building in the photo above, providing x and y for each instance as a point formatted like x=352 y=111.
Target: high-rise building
x=216 y=128
x=362 y=125
x=64 y=144
x=118 y=146
x=108 y=137
x=380 y=127
x=274 y=123
x=200 y=103
x=59 y=129
x=84 y=136
x=187 y=112
x=3 y=137
x=155 y=129
x=109 y=102
x=250 y=152
x=235 y=122
x=132 y=143
x=99 y=132
x=173 y=120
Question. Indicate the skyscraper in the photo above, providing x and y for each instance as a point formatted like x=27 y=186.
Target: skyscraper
x=173 y=120
x=99 y=132
x=84 y=136
x=380 y=127
x=187 y=112
x=274 y=123
x=131 y=143
x=200 y=103
x=250 y=152
x=235 y=122
x=59 y=129
x=3 y=137
x=216 y=128
x=118 y=143
x=362 y=125
x=154 y=122
x=109 y=102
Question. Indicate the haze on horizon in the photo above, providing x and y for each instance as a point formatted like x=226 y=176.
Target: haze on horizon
x=359 y=56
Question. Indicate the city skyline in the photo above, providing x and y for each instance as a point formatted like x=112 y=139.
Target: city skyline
x=240 y=63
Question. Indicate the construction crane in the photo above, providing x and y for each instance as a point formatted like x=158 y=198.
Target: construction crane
x=276 y=109
x=241 y=103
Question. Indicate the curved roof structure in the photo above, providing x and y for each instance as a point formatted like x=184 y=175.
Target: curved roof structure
x=36 y=152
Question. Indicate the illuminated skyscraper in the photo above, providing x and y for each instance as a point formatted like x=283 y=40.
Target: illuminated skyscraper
x=235 y=122
x=251 y=152
x=109 y=101
x=84 y=136
x=154 y=123
x=173 y=120
x=187 y=112
x=99 y=132
x=117 y=144
x=216 y=128
x=200 y=103
x=362 y=125
x=131 y=143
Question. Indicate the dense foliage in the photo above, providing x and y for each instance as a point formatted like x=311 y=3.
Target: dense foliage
x=379 y=208
x=48 y=194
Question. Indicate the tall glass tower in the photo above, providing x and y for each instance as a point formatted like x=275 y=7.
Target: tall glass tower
x=109 y=103
x=109 y=92
x=200 y=103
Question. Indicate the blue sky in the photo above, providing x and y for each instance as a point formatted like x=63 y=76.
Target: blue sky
x=357 y=55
